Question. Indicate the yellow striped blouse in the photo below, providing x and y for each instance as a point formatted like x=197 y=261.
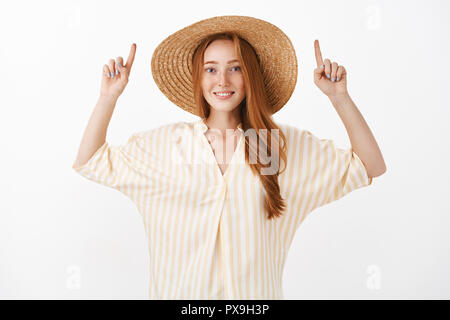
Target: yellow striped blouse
x=208 y=236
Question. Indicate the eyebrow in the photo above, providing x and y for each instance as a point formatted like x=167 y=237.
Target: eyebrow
x=215 y=62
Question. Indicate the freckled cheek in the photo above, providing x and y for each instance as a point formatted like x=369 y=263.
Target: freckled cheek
x=241 y=86
x=241 y=82
x=206 y=87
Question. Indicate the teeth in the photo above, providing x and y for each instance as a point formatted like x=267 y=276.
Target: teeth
x=224 y=94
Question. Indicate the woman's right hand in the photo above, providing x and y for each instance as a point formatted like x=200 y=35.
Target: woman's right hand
x=115 y=75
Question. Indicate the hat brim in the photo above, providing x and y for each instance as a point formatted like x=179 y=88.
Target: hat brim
x=172 y=67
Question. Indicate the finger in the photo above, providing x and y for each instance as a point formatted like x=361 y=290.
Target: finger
x=327 y=63
x=106 y=71
x=340 y=73
x=334 y=67
x=318 y=53
x=318 y=73
x=112 y=67
x=119 y=65
x=130 y=59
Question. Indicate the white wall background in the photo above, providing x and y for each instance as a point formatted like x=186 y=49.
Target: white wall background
x=65 y=237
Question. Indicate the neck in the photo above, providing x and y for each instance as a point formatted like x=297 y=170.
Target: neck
x=222 y=121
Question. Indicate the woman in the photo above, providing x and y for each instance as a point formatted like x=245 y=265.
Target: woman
x=219 y=212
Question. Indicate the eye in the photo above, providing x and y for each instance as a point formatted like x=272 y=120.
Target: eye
x=209 y=69
x=237 y=67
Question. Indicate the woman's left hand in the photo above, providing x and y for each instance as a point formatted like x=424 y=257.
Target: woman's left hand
x=330 y=77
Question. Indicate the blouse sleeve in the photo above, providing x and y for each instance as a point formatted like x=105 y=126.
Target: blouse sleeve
x=321 y=172
x=118 y=167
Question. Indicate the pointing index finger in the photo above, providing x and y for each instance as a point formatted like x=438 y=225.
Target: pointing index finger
x=318 y=53
x=131 y=56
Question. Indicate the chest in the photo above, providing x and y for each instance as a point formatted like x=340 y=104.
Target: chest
x=223 y=148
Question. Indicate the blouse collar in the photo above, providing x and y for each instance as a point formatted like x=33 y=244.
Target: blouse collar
x=200 y=126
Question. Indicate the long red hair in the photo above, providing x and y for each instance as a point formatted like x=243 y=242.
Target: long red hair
x=255 y=113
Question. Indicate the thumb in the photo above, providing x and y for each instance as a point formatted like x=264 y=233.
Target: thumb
x=318 y=72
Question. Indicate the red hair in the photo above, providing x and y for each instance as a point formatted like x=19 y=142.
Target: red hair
x=255 y=114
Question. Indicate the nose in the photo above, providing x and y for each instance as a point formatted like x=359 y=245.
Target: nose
x=223 y=79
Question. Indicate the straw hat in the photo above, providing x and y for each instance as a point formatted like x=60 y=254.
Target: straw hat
x=172 y=59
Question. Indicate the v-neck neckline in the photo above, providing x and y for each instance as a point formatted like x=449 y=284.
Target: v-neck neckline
x=204 y=128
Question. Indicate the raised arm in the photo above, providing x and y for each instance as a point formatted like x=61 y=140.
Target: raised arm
x=334 y=85
x=114 y=80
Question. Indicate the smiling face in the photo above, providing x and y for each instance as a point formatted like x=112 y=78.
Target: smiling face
x=222 y=73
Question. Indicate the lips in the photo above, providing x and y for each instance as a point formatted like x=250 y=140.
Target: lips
x=223 y=92
x=228 y=96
